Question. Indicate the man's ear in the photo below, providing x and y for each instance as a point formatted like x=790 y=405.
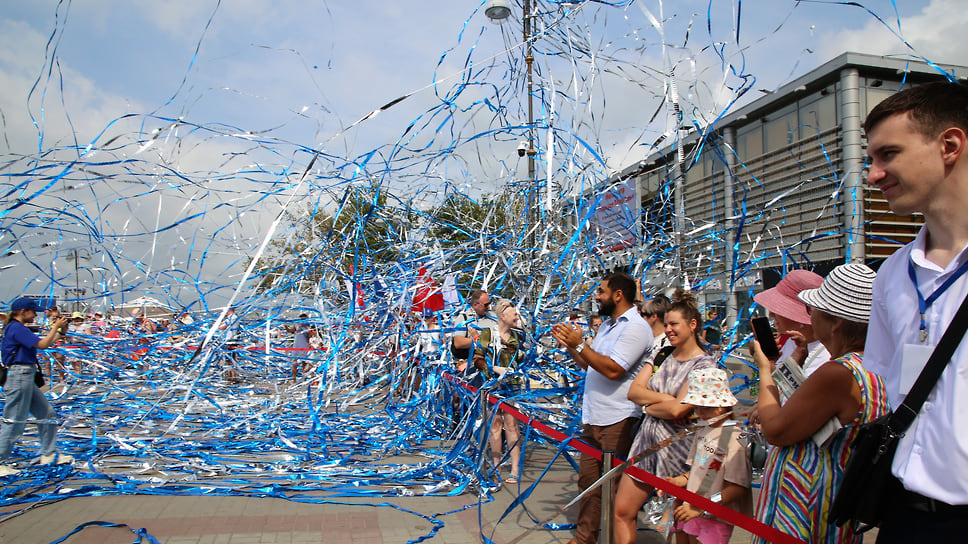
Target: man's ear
x=953 y=144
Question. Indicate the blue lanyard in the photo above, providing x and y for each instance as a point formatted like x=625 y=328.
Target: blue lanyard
x=924 y=304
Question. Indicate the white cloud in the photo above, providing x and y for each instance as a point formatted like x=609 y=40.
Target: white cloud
x=936 y=33
x=68 y=92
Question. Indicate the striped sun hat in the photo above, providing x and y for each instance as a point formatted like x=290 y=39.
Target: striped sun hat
x=846 y=293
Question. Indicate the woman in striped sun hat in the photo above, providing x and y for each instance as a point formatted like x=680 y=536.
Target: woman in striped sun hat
x=813 y=430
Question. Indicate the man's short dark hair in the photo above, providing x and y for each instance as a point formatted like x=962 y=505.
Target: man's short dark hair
x=622 y=282
x=476 y=294
x=934 y=107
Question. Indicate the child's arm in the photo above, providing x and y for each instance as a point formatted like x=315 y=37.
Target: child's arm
x=680 y=480
x=731 y=493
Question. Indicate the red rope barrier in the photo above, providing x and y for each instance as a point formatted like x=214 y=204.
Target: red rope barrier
x=731 y=516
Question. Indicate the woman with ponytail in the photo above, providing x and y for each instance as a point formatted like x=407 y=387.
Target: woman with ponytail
x=664 y=415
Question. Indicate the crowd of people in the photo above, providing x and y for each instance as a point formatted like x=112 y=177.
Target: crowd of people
x=651 y=366
x=858 y=339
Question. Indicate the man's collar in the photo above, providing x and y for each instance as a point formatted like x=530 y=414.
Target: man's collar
x=626 y=315
x=919 y=250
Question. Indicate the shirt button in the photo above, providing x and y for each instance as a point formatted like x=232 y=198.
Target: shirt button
x=927 y=407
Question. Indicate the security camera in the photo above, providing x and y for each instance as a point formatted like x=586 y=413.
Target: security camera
x=522 y=148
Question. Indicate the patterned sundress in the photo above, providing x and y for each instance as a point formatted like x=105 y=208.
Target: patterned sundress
x=801 y=480
x=668 y=379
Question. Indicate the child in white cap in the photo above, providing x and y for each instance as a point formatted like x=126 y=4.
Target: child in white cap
x=720 y=463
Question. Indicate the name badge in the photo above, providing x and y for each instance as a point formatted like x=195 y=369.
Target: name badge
x=913 y=359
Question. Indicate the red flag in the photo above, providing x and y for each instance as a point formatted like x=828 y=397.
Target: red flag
x=350 y=283
x=428 y=295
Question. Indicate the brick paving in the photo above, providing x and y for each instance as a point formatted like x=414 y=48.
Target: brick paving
x=188 y=519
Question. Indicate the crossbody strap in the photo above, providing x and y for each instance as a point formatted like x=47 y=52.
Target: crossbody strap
x=902 y=418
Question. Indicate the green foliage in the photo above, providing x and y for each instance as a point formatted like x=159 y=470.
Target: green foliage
x=362 y=234
x=470 y=230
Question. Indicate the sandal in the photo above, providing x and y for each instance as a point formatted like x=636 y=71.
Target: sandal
x=512 y=480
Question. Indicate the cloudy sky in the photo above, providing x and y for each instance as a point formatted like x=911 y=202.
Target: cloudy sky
x=163 y=137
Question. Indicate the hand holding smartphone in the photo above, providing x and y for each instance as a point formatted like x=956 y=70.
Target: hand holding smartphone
x=764 y=335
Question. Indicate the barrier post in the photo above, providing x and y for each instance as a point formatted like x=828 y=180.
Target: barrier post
x=608 y=504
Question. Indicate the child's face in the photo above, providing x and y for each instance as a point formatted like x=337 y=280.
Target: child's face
x=709 y=412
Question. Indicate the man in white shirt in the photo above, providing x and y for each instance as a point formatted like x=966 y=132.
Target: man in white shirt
x=918 y=156
x=611 y=362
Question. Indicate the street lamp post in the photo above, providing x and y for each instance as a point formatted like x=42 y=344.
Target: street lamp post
x=498 y=11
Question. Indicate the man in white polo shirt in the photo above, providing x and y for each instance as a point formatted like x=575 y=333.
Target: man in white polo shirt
x=611 y=362
x=918 y=155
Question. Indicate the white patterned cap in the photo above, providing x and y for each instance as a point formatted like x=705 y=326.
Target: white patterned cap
x=847 y=293
x=709 y=387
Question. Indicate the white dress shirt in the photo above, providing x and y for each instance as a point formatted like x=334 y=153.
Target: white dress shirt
x=626 y=341
x=932 y=457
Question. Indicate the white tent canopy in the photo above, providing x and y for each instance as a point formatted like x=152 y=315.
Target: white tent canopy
x=144 y=305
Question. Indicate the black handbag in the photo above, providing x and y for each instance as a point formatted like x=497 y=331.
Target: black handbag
x=868 y=488
x=39 y=377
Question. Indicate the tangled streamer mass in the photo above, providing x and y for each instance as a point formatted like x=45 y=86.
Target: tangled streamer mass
x=161 y=213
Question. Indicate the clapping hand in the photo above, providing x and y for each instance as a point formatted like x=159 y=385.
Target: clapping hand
x=566 y=335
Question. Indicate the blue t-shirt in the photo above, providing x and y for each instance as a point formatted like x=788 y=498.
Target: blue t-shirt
x=16 y=334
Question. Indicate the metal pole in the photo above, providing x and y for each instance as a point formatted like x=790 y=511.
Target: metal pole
x=77 y=284
x=729 y=151
x=534 y=218
x=608 y=518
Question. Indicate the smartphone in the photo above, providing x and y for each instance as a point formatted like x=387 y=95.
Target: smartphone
x=764 y=335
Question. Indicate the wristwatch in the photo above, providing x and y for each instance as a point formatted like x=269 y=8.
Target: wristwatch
x=580 y=347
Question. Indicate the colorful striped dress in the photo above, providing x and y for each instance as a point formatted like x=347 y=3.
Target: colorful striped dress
x=801 y=480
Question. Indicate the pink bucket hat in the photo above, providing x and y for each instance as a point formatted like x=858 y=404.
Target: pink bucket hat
x=782 y=299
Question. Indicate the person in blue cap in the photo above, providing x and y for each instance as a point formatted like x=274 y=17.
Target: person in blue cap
x=19 y=353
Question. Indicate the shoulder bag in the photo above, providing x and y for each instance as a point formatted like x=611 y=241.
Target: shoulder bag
x=868 y=487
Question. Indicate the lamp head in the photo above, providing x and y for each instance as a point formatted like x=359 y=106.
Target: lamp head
x=497 y=10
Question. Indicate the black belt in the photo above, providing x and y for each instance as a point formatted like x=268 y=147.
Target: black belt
x=919 y=502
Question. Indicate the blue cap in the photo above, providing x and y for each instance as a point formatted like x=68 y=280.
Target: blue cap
x=25 y=303
x=427 y=312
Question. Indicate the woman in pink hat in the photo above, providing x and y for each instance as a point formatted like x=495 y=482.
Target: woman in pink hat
x=792 y=320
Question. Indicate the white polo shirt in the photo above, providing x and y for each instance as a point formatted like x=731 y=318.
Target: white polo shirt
x=626 y=341
x=932 y=458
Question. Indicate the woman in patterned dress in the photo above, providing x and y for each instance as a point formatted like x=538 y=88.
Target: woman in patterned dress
x=813 y=430
x=659 y=390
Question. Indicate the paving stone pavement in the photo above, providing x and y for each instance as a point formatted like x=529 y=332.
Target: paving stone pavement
x=189 y=519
